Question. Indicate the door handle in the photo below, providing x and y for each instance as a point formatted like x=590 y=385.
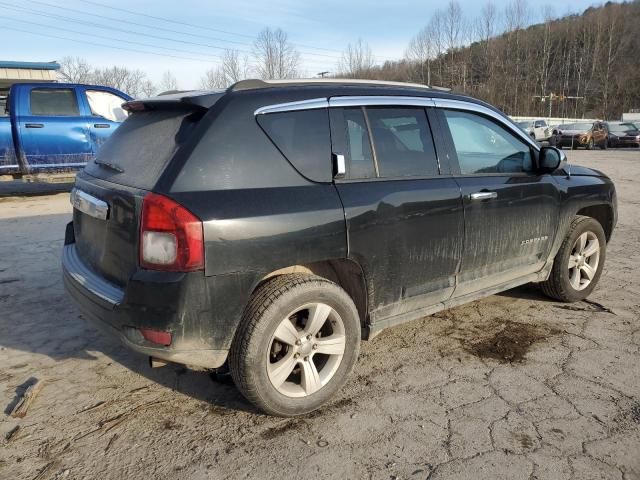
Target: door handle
x=34 y=125
x=483 y=195
x=101 y=125
x=340 y=167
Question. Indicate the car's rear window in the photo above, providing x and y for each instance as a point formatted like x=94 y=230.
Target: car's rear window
x=140 y=149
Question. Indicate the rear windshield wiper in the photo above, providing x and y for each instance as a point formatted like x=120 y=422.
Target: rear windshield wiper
x=111 y=166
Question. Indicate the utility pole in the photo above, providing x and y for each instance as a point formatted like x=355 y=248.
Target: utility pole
x=323 y=74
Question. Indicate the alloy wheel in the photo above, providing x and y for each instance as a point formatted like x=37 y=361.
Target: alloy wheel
x=583 y=261
x=306 y=350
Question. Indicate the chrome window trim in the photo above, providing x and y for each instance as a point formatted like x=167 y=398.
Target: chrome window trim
x=380 y=100
x=477 y=108
x=88 y=204
x=400 y=101
x=311 y=104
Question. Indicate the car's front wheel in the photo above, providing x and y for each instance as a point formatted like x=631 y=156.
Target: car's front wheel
x=297 y=343
x=579 y=262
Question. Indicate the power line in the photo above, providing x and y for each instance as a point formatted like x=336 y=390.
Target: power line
x=129 y=22
x=164 y=19
x=88 y=42
x=68 y=30
x=84 y=22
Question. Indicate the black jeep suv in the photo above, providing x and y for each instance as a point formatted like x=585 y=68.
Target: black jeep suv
x=272 y=226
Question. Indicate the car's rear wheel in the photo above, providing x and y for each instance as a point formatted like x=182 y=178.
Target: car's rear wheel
x=579 y=262
x=605 y=144
x=297 y=342
x=591 y=144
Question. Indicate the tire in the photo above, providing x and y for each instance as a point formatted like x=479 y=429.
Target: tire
x=276 y=307
x=561 y=284
x=605 y=145
x=591 y=144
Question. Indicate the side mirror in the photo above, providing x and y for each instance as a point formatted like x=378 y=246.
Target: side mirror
x=552 y=159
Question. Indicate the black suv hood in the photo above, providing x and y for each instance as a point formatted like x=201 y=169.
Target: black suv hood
x=585 y=172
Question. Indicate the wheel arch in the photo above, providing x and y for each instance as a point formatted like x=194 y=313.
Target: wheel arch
x=344 y=272
x=603 y=214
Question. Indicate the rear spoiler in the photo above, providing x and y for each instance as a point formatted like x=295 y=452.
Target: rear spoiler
x=188 y=100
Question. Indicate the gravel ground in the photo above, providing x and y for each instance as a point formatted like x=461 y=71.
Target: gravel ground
x=433 y=398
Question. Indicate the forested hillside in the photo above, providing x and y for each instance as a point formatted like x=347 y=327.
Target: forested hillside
x=594 y=56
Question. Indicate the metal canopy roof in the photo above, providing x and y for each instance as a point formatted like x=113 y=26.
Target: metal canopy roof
x=30 y=65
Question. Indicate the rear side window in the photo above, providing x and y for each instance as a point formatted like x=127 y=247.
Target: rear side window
x=60 y=102
x=140 y=149
x=303 y=137
x=402 y=141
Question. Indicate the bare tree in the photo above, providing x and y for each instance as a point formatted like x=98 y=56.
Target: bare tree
x=421 y=51
x=235 y=66
x=357 y=60
x=75 y=70
x=275 y=56
x=214 y=79
x=453 y=25
x=168 y=82
x=133 y=82
x=147 y=89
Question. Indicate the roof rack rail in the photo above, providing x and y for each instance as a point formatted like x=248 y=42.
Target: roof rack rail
x=253 y=84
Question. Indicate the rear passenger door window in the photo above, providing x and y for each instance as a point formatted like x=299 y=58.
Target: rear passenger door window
x=386 y=142
x=59 y=102
x=484 y=147
x=402 y=142
x=358 y=144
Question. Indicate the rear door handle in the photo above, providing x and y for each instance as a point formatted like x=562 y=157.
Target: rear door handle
x=483 y=195
x=101 y=125
x=34 y=125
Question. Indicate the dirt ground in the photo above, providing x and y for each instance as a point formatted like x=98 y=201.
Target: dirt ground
x=512 y=386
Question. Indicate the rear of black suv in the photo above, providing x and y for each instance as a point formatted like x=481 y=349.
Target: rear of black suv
x=133 y=257
x=182 y=214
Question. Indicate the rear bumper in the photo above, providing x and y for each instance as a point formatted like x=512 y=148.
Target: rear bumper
x=120 y=312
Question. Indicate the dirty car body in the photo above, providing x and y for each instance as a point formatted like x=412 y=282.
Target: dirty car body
x=368 y=186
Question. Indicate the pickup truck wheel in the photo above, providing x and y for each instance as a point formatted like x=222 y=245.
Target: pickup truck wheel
x=579 y=262
x=297 y=343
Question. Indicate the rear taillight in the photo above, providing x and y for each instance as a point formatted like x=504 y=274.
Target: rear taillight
x=171 y=237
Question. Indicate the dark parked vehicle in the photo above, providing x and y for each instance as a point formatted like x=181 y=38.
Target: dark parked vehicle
x=581 y=135
x=272 y=226
x=623 y=134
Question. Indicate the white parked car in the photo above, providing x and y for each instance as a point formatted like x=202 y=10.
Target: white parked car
x=536 y=129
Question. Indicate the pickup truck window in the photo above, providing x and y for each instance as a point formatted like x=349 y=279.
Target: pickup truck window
x=106 y=105
x=60 y=102
x=402 y=141
x=483 y=146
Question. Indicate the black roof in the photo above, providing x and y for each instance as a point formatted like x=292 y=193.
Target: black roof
x=312 y=88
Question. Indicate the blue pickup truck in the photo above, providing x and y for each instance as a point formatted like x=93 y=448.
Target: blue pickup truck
x=47 y=127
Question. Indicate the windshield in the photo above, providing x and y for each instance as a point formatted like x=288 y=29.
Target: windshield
x=621 y=127
x=523 y=124
x=577 y=126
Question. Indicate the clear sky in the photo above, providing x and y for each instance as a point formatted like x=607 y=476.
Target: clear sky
x=204 y=28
